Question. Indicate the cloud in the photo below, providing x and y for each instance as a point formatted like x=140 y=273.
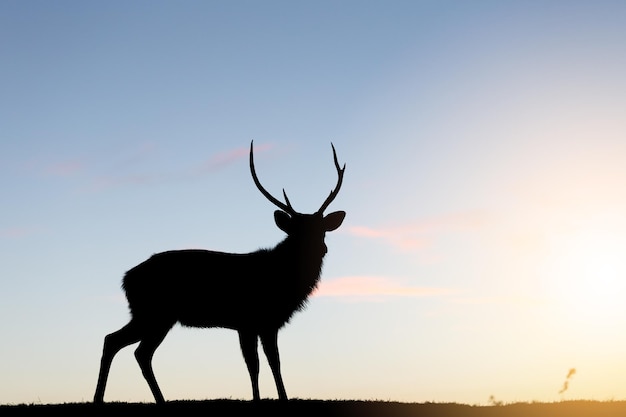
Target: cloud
x=373 y=288
x=420 y=235
x=105 y=182
x=223 y=159
x=402 y=238
x=41 y=166
x=134 y=155
x=132 y=165
x=123 y=166
x=144 y=177
x=503 y=300
x=15 y=232
x=65 y=168
x=215 y=163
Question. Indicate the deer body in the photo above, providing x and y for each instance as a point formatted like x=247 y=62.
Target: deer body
x=214 y=289
x=253 y=293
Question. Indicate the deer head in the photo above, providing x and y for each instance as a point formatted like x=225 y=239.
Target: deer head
x=307 y=229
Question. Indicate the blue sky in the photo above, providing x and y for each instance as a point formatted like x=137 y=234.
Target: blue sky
x=483 y=249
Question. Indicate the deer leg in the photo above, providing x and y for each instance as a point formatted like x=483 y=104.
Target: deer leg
x=144 y=353
x=113 y=343
x=248 y=342
x=270 y=347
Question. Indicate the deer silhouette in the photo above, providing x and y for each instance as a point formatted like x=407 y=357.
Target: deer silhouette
x=254 y=293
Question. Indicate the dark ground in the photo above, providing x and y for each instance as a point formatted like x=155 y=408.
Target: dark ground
x=232 y=408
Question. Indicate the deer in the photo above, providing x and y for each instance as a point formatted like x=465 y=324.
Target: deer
x=254 y=293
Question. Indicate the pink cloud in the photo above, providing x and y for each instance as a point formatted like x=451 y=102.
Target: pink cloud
x=132 y=155
x=217 y=162
x=16 y=232
x=373 y=287
x=398 y=237
x=65 y=168
x=421 y=235
x=507 y=300
x=105 y=182
x=223 y=159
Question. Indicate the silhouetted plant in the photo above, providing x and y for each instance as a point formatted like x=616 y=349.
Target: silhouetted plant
x=494 y=402
x=569 y=376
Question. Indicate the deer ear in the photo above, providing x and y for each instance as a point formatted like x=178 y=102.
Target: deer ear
x=333 y=220
x=283 y=220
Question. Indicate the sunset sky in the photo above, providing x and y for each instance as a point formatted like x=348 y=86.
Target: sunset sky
x=484 y=248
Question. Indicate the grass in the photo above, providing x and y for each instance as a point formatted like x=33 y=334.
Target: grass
x=349 y=408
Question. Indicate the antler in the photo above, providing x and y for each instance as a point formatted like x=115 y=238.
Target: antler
x=285 y=207
x=334 y=192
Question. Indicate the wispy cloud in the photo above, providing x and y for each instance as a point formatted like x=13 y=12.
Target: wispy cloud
x=223 y=159
x=49 y=167
x=503 y=300
x=374 y=288
x=119 y=178
x=403 y=238
x=134 y=165
x=123 y=167
x=420 y=235
x=134 y=155
x=103 y=182
x=65 y=168
x=16 y=232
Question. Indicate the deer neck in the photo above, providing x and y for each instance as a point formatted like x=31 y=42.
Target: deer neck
x=300 y=262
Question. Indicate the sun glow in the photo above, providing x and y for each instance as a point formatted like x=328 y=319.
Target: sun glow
x=585 y=275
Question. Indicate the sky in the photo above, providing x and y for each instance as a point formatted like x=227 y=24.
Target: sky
x=483 y=254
